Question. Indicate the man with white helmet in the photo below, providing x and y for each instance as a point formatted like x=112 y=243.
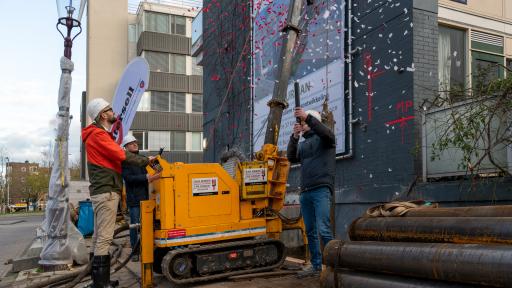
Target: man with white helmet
x=317 y=156
x=136 y=181
x=104 y=158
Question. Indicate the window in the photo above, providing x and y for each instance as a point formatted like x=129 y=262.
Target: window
x=486 y=67
x=158 y=139
x=157 y=22
x=461 y=1
x=33 y=169
x=23 y=169
x=196 y=141
x=178 y=141
x=142 y=139
x=197 y=103
x=452 y=59
x=165 y=62
x=178 y=102
x=163 y=102
x=487 y=58
x=179 y=25
x=132 y=33
x=159 y=101
x=145 y=102
x=196 y=69
x=178 y=64
x=158 y=61
x=22 y=179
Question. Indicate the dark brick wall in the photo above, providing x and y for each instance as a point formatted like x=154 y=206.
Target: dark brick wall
x=396 y=63
x=226 y=84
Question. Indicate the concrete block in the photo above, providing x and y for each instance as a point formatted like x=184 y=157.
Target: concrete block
x=25 y=264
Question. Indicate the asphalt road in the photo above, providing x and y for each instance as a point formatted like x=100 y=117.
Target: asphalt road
x=16 y=234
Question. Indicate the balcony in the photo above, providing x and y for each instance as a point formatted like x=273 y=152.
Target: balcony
x=160 y=42
x=161 y=81
x=177 y=121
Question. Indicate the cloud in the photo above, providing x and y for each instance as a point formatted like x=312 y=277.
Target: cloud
x=28 y=111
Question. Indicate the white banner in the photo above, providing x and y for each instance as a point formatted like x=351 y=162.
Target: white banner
x=318 y=64
x=129 y=91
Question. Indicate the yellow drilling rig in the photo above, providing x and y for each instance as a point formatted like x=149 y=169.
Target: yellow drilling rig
x=202 y=223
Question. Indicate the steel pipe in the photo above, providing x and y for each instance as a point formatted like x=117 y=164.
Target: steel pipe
x=463 y=263
x=433 y=229
x=357 y=279
x=474 y=211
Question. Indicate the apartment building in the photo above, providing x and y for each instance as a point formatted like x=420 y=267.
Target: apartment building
x=473 y=35
x=170 y=113
x=16 y=179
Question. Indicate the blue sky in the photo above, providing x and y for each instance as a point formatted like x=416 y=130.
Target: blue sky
x=30 y=48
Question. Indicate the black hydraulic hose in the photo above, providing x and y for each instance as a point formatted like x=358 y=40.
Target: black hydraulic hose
x=76 y=276
x=87 y=270
x=125 y=261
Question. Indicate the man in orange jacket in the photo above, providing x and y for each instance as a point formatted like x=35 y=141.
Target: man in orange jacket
x=104 y=158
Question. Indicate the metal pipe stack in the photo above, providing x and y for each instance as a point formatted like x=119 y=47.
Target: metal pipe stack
x=425 y=247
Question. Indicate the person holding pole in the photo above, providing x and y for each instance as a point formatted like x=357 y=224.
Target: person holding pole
x=317 y=156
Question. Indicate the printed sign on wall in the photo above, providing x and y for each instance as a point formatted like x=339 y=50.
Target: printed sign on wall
x=318 y=64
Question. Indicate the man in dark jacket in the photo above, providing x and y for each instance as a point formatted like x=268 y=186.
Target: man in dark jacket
x=104 y=158
x=136 y=181
x=317 y=156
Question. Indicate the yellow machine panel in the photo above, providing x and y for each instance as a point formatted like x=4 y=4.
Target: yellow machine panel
x=200 y=202
x=253 y=179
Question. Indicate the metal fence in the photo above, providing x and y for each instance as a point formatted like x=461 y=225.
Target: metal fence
x=436 y=122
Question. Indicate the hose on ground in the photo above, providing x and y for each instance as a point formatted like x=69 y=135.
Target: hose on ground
x=87 y=270
x=125 y=261
x=76 y=276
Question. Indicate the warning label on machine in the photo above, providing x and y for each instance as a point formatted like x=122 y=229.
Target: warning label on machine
x=205 y=186
x=254 y=176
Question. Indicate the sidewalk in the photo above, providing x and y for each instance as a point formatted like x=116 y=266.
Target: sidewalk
x=129 y=276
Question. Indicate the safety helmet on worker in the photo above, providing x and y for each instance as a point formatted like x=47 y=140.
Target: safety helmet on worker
x=315 y=114
x=128 y=139
x=95 y=107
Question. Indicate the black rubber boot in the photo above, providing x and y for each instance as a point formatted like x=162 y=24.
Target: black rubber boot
x=101 y=272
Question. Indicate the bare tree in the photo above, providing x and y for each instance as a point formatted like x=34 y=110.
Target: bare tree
x=47 y=156
x=37 y=185
x=74 y=169
x=479 y=122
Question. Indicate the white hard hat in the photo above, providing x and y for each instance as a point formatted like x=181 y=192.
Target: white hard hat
x=95 y=106
x=128 y=139
x=315 y=114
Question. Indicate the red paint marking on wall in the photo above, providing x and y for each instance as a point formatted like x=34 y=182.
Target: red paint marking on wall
x=368 y=64
x=403 y=123
x=403 y=107
x=401 y=120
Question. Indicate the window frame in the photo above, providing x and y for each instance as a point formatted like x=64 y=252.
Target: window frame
x=143 y=145
x=194 y=96
x=173 y=143
x=200 y=142
x=146 y=26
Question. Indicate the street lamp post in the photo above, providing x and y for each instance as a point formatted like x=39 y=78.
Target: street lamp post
x=2 y=184
x=56 y=254
x=7 y=180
